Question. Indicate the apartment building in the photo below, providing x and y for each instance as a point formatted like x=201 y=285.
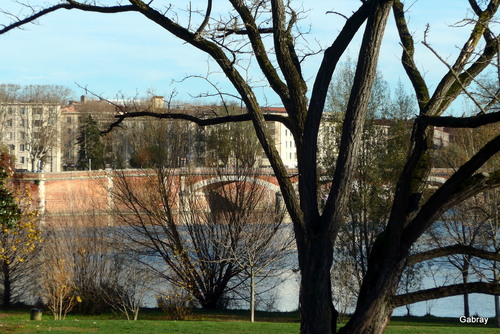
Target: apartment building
x=72 y=118
x=283 y=140
x=31 y=132
x=44 y=136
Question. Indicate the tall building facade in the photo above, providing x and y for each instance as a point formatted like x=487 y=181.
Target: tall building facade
x=30 y=131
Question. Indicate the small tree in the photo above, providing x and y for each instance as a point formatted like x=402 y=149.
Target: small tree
x=263 y=240
x=58 y=287
x=126 y=285
x=20 y=236
x=58 y=290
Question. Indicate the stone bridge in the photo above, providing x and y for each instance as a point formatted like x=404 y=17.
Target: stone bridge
x=68 y=195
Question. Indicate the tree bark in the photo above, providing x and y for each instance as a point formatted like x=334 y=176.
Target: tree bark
x=374 y=307
x=318 y=314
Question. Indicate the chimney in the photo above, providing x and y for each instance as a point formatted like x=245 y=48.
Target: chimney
x=157 y=102
x=83 y=98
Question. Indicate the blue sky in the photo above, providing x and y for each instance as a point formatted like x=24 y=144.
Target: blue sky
x=127 y=54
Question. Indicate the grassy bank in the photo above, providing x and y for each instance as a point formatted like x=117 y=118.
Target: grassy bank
x=224 y=322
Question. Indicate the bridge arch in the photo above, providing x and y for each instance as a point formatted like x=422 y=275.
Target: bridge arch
x=234 y=178
x=436 y=180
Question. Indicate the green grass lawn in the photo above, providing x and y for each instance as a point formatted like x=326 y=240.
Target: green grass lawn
x=227 y=322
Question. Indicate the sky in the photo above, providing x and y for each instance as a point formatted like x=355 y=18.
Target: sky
x=125 y=54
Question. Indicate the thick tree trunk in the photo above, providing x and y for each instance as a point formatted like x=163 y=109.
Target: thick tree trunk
x=374 y=323
x=374 y=307
x=318 y=314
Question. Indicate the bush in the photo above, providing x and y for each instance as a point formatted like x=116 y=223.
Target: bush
x=176 y=304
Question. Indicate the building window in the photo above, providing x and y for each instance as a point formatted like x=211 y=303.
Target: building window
x=37 y=122
x=10 y=111
x=21 y=147
x=22 y=135
x=22 y=160
x=12 y=148
x=22 y=122
x=10 y=136
x=9 y=122
x=68 y=120
x=22 y=111
x=37 y=111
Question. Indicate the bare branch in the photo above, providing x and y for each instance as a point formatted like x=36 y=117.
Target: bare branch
x=229 y=32
x=460 y=122
x=452 y=71
x=337 y=13
x=461 y=185
x=451 y=250
x=205 y=20
x=69 y=5
x=449 y=87
x=195 y=119
x=407 y=60
x=446 y=291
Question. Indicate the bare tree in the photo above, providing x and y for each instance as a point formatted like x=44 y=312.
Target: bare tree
x=471 y=223
x=34 y=113
x=195 y=234
x=57 y=285
x=34 y=93
x=240 y=33
x=127 y=284
x=264 y=240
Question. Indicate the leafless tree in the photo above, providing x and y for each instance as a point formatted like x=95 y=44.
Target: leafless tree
x=127 y=284
x=57 y=284
x=265 y=241
x=194 y=234
x=474 y=222
x=39 y=128
x=240 y=33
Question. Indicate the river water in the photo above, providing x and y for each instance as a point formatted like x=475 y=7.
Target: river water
x=480 y=304
x=286 y=300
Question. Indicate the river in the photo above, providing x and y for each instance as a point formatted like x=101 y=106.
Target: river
x=480 y=304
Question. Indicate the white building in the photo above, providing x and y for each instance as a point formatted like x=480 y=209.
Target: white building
x=31 y=133
x=283 y=140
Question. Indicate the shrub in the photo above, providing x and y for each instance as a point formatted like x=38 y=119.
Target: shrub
x=177 y=304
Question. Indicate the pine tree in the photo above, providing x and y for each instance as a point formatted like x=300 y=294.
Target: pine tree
x=91 y=154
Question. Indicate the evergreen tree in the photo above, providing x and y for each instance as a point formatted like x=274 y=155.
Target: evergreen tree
x=91 y=154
